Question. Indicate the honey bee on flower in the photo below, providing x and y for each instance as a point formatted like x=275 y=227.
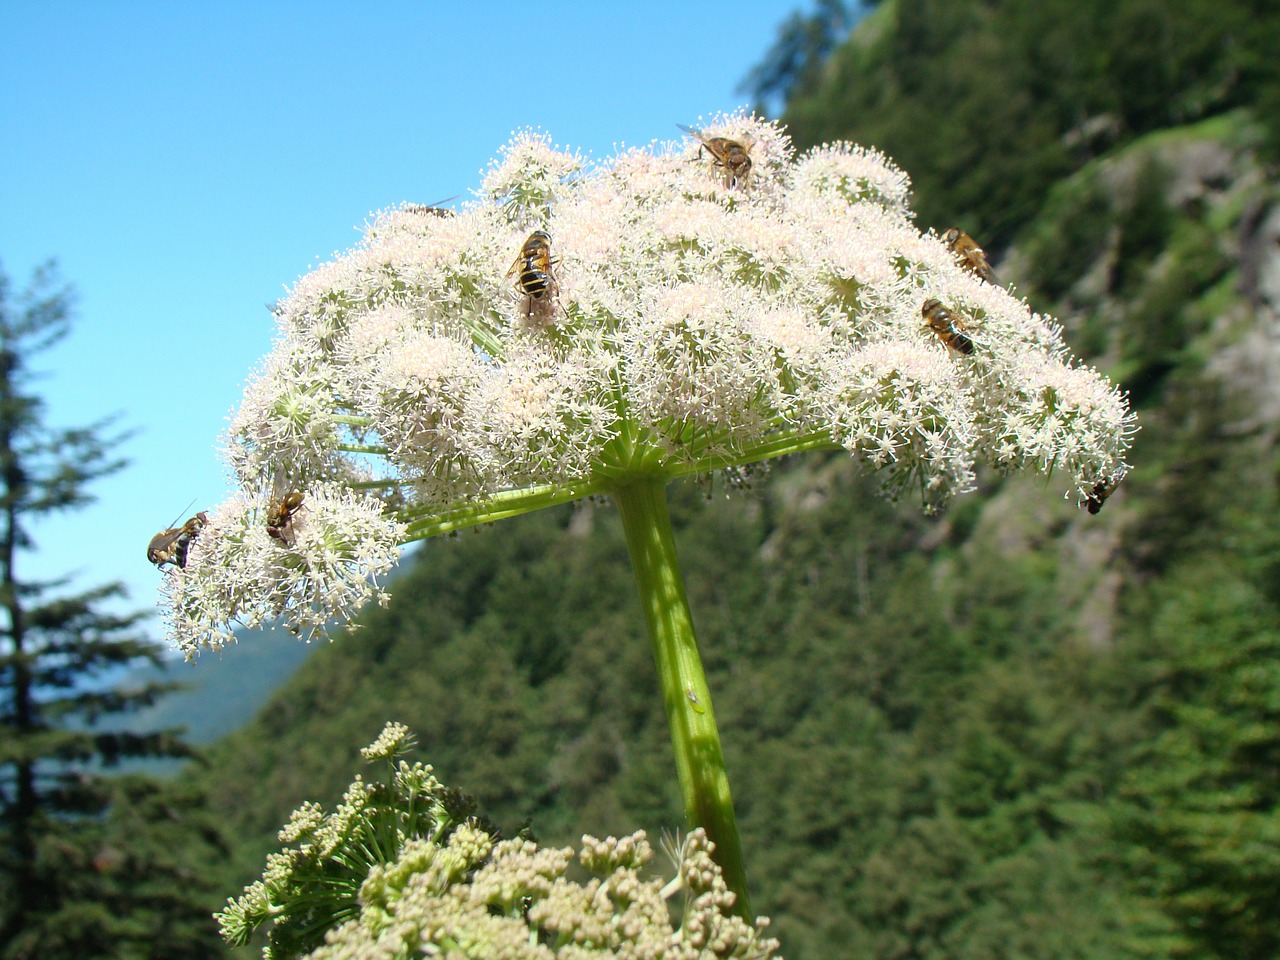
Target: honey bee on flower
x=285 y=503
x=942 y=322
x=967 y=253
x=733 y=157
x=171 y=545
x=1099 y=494
x=533 y=270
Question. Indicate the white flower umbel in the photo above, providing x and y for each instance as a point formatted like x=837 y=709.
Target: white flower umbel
x=437 y=377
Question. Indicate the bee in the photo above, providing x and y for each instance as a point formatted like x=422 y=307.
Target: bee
x=1098 y=495
x=732 y=157
x=430 y=209
x=171 y=545
x=940 y=321
x=281 y=510
x=967 y=253
x=533 y=267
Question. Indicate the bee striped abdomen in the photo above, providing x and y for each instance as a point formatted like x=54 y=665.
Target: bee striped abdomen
x=960 y=341
x=533 y=279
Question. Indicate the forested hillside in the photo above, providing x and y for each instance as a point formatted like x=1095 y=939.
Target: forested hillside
x=987 y=104
x=1013 y=730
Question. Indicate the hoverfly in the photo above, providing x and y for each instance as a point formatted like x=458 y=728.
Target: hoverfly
x=1098 y=495
x=732 y=157
x=940 y=321
x=533 y=267
x=967 y=253
x=284 y=504
x=171 y=545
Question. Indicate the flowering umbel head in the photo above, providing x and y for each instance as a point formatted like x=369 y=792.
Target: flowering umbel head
x=678 y=321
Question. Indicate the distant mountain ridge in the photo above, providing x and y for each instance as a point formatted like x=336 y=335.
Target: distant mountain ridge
x=222 y=690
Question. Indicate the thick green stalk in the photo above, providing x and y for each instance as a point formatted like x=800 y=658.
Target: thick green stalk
x=704 y=784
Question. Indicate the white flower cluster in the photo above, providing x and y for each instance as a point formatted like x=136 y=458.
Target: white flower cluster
x=673 y=323
x=237 y=573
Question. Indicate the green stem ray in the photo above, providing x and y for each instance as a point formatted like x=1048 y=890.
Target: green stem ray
x=767 y=450
x=508 y=503
x=704 y=783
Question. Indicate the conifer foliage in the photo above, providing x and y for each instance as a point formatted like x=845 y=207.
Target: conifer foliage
x=83 y=870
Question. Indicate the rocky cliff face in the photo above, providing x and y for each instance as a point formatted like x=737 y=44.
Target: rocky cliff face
x=1162 y=261
x=1164 y=252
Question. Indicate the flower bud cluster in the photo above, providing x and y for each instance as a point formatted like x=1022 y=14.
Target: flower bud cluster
x=391 y=874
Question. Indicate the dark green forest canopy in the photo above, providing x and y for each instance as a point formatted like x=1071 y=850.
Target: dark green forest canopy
x=986 y=104
x=1014 y=730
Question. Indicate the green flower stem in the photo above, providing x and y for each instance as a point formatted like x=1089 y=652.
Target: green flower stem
x=704 y=783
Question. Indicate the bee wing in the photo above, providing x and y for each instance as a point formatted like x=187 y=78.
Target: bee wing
x=164 y=539
x=282 y=484
x=976 y=262
x=521 y=257
x=161 y=543
x=714 y=148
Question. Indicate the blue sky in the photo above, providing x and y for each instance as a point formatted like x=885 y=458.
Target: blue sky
x=187 y=162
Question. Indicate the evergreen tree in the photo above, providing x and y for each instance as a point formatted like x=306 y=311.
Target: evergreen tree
x=64 y=839
x=802 y=47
